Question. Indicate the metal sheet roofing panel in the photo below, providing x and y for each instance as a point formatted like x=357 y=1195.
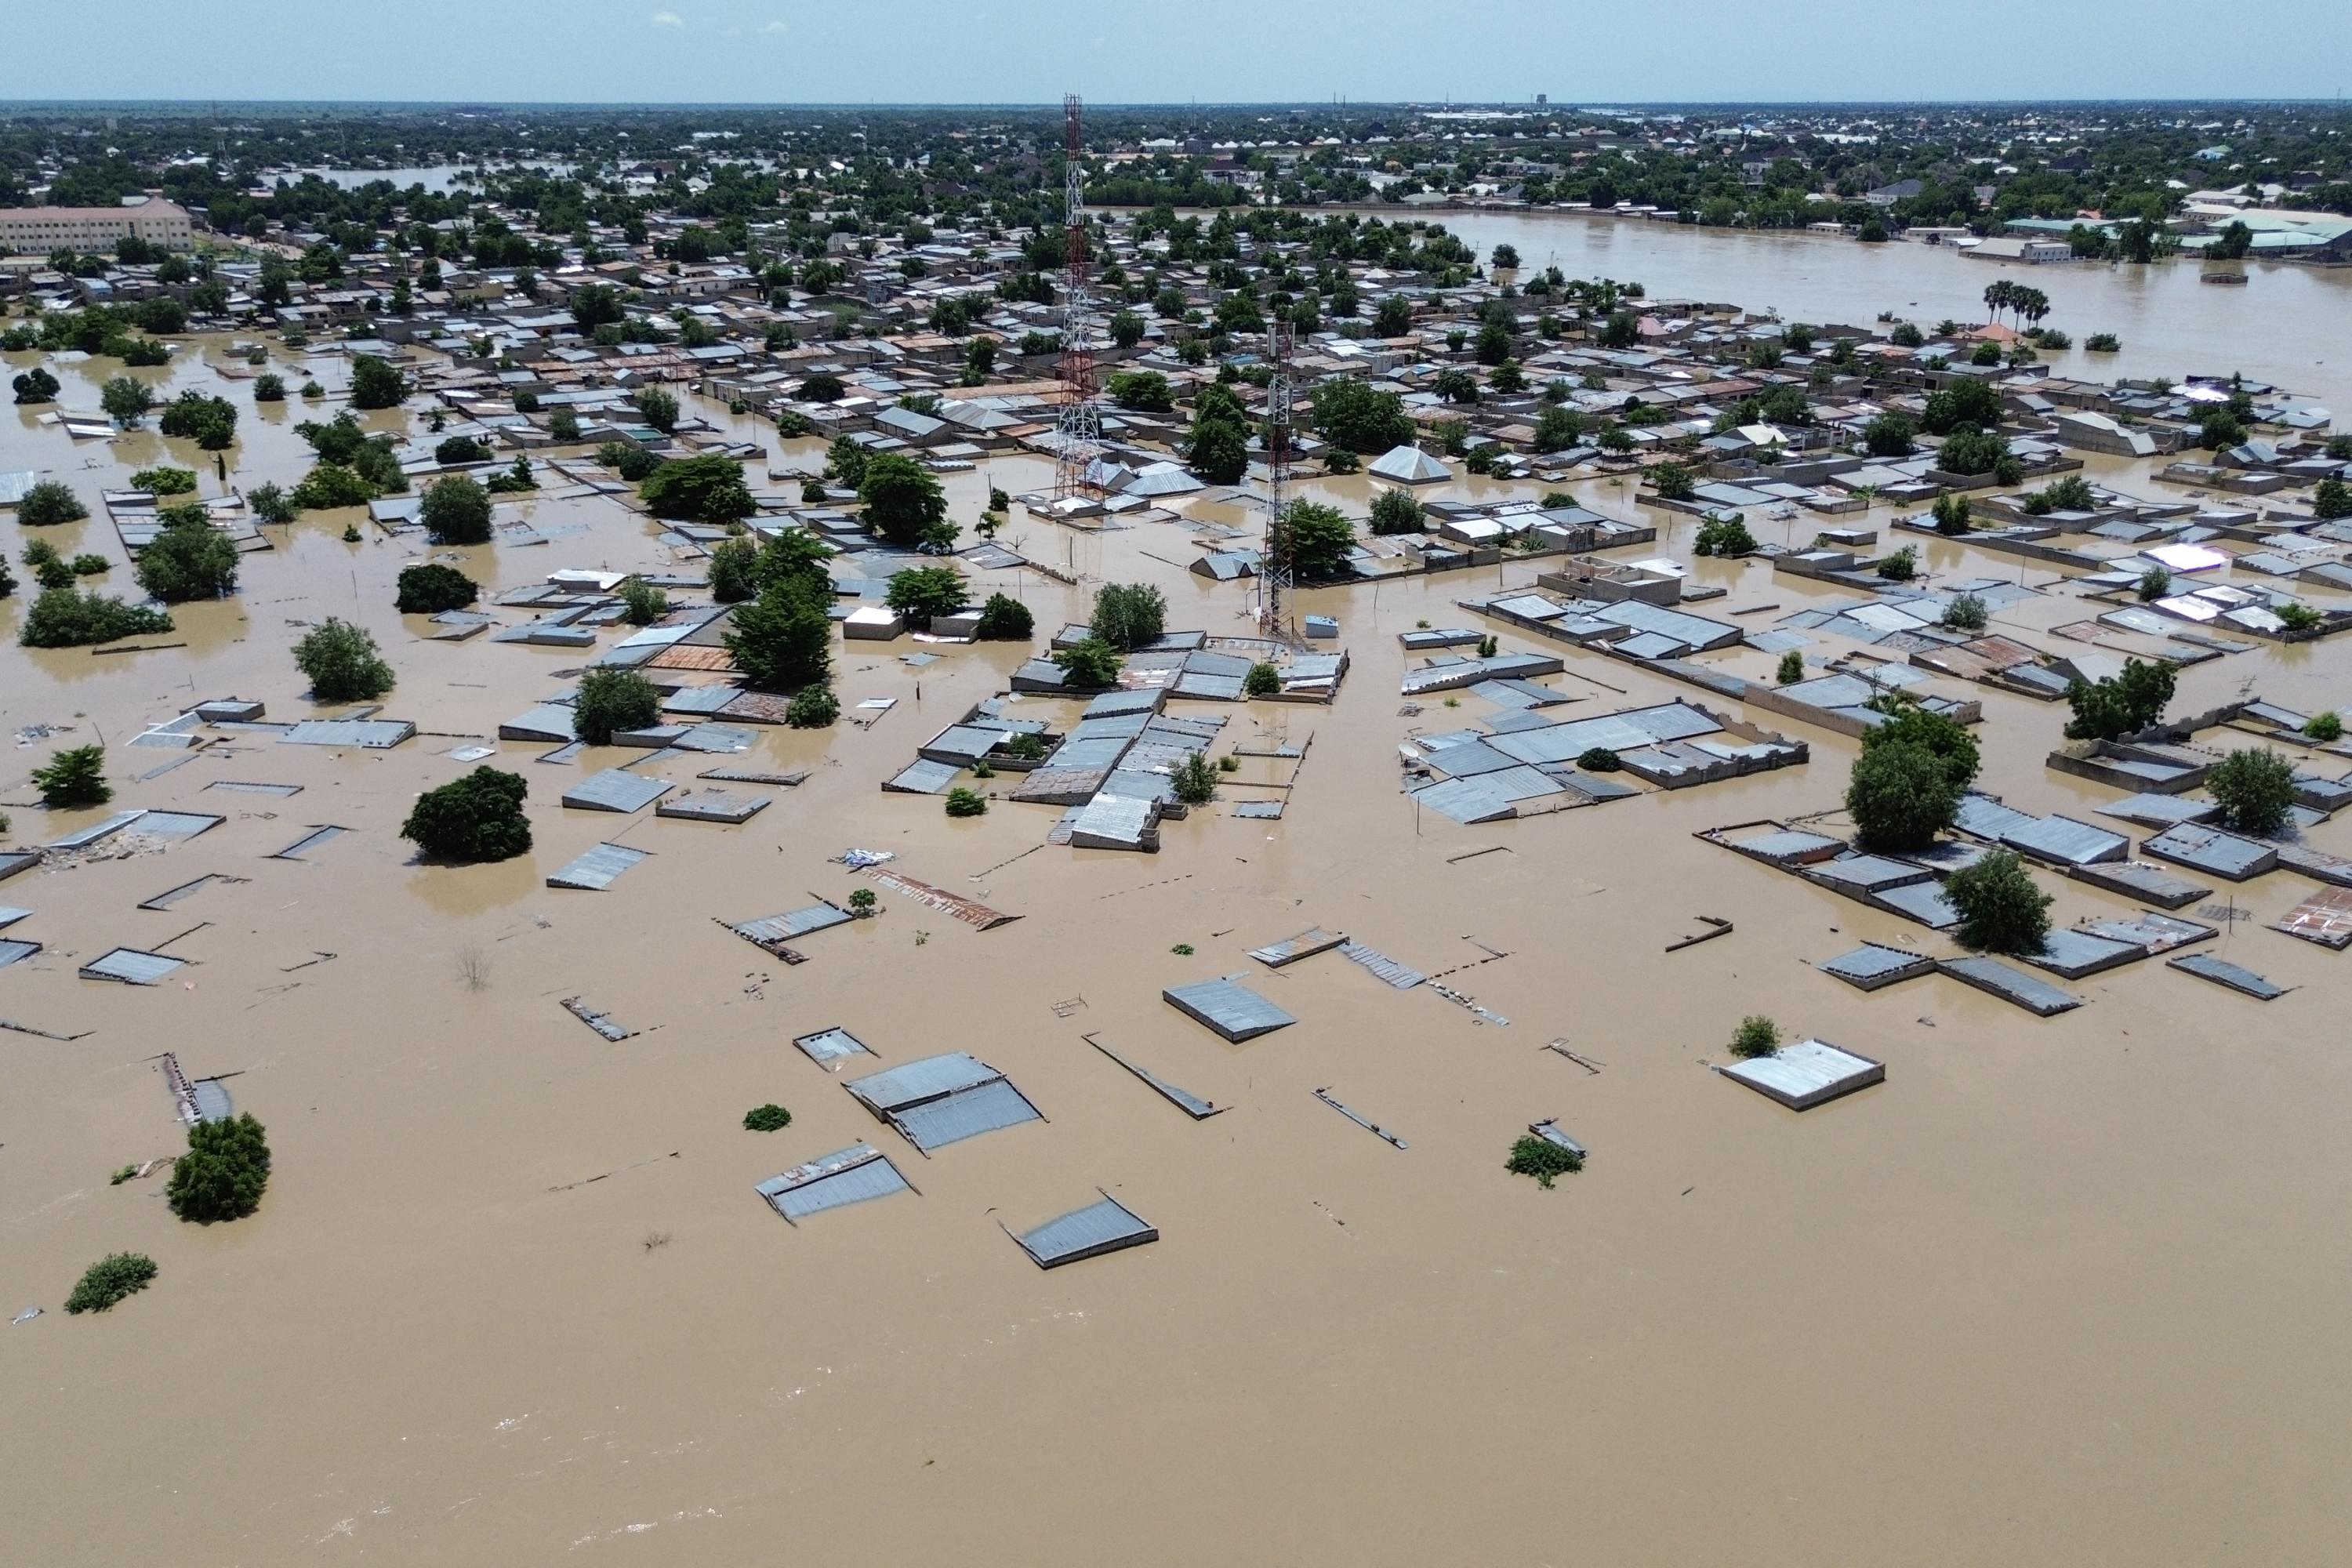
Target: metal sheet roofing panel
x=2243 y=981
x=923 y=777
x=1805 y=1074
x=2063 y=841
x=1106 y=1227
x=178 y=824
x=15 y=949
x=369 y=734
x=105 y=827
x=1992 y=976
x=2224 y=854
x=597 y=869
x=849 y=1175
x=931 y=1077
x=615 y=789
x=131 y=967
x=1870 y=966
x=796 y=923
x=1232 y=1010
x=310 y=841
x=829 y=1047
x=1463 y=801
x=967 y=1114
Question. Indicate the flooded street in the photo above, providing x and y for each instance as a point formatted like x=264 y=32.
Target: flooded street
x=2064 y=1292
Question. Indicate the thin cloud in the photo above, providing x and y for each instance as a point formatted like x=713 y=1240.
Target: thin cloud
x=667 y=19
x=775 y=27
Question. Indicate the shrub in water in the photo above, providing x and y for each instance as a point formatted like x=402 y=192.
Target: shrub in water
x=110 y=1279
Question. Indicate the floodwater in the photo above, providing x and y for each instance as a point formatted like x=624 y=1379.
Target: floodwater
x=2289 y=325
x=2058 y=1292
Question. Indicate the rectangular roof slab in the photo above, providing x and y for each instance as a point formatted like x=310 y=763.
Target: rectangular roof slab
x=1870 y=966
x=713 y=805
x=2140 y=879
x=1291 y=949
x=596 y=869
x=1992 y=976
x=1233 y=1011
x=2245 y=982
x=132 y=967
x=1106 y=1227
x=2063 y=841
x=2324 y=917
x=2076 y=953
x=828 y=1047
x=849 y=1175
x=913 y=1083
x=2209 y=849
x=615 y=789
x=1806 y=1074
x=967 y=1114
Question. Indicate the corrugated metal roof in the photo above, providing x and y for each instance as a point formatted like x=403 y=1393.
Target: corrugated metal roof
x=795 y=922
x=165 y=900
x=370 y=734
x=178 y=824
x=1803 y=1075
x=849 y=1175
x=924 y=778
x=213 y=1101
x=827 y=1047
x=1990 y=976
x=13 y=948
x=309 y=841
x=131 y=967
x=104 y=829
x=1232 y=1010
x=1291 y=949
x=596 y=869
x=966 y=1113
x=911 y=1083
x=2207 y=967
x=615 y=789
x=1260 y=810
x=1106 y=1227
x=1871 y=966
x=2064 y=841
x=713 y=805
x=1465 y=801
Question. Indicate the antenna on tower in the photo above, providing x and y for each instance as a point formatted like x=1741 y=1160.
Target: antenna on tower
x=1079 y=429
x=1275 y=571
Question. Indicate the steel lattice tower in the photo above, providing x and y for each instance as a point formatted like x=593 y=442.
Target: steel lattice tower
x=1079 y=429
x=1275 y=572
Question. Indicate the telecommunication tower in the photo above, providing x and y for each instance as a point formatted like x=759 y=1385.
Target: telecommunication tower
x=1079 y=429
x=1275 y=572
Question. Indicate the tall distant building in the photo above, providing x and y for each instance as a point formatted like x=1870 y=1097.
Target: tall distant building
x=1543 y=99
x=40 y=230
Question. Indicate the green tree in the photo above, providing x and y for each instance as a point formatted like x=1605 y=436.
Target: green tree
x=1946 y=739
x=1966 y=613
x=768 y=1118
x=476 y=818
x=1128 y=614
x=905 y=504
x=708 y=489
x=1396 y=511
x=2331 y=501
x=342 y=663
x=794 y=553
x=74 y=778
x=109 y=1281
x=1951 y=514
x=1359 y=418
x=1792 y=670
x=1393 y=318
x=375 y=385
x=1146 y=391
x=923 y=594
x=1558 y=428
x=1320 y=538
x=657 y=408
x=734 y=568
x=1126 y=329
x=1757 y=1035
x=1544 y=1159
x=2001 y=909
x=210 y=422
x=125 y=400
x=2121 y=704
x=1262 y=680
x=431 y=588
x=1217 y=450
x=1900 y=796
x=1963 y=402
x=1006 y=619
x=1673 y=481
x=1888 y=435
x=188 y=558
x=35 y=385
x=1969 y=450
x=783 y=640
x=1194 y=781
x=964 y=802
x=456 y=511
x=48 y=503
x=812 y=708
x=1454 y=385
x=612 y=700
x=2255 y=789
x=68 y=617
x=224 y=1173
x=1089 y=665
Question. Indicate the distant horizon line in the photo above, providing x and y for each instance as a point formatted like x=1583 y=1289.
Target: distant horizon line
x=17 y=105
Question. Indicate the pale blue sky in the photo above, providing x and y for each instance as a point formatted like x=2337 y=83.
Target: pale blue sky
x=964 y=51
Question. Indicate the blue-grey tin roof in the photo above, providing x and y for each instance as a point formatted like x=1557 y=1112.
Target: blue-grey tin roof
x=829 y=1046
x=911 y=1083
x=846 y=1177
x=597 y=869
x=1106 y=1227
x=1233 y=1010
x=131 y=967
x=966 y=1113
x=795 y=922
x=615 y=789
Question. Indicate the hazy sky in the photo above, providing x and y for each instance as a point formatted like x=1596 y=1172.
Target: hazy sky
x=965 y=51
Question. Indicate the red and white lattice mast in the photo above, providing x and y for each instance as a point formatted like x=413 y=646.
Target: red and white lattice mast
x=1080 y=433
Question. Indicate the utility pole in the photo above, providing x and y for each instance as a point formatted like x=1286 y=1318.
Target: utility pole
x=1274 y=568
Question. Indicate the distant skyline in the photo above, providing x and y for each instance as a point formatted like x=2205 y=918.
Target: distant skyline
x=1215 y=51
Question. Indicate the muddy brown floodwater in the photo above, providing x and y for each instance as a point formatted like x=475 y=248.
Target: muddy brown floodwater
x=2058 y=1292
